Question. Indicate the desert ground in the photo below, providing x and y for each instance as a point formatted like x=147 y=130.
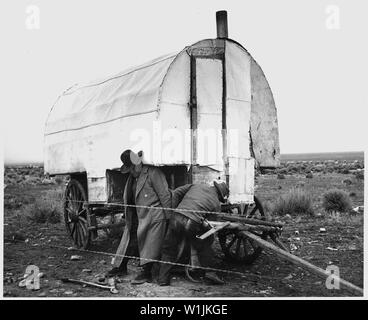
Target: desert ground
x=35 y=234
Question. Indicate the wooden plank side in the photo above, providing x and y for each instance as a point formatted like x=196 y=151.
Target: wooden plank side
x=97 y=189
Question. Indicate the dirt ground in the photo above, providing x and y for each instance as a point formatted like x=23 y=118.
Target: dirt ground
x=48 y=246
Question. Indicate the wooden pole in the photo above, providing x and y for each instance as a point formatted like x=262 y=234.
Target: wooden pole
x=301 y=263
x=241 y=226
x=227 y=217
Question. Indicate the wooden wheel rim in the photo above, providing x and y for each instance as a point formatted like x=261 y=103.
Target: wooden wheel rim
x=238 y=248
x=75 y=215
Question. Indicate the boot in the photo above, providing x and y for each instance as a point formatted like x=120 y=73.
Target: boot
x=164 y=281
x=143 y=276
x=122 y=270
x=213 y=278
x=164 y=275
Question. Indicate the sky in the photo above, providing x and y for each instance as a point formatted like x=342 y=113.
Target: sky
x=313 y=53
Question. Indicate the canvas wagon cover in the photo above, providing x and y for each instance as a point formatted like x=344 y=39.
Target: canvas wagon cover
x=90 y=125
x=131 y=92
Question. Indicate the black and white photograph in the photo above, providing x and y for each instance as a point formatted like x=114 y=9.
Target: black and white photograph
x=201 y=150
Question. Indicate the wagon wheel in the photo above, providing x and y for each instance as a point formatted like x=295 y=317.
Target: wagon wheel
x=237 y=247
x=75 y=215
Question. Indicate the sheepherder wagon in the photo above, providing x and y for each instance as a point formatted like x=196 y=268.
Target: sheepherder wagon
x=202 y=113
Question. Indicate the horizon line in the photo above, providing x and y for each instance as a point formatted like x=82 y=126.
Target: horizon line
x=281 y=155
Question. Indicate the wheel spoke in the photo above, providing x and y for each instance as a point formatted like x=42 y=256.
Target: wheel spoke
x=83 y=227
x=73 y=231
x=254 y=244
x=79 y=238
x=80 y=212
x=238 y=247
x=85 y=233
x=228 y=246
x=75 y=237
x=81 y=234
x=73 y=228
x=245 y=248
x=83 y=220
x=70 y=212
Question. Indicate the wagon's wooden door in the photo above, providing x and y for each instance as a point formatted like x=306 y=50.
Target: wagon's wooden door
x=207 y=114
x=220 y=112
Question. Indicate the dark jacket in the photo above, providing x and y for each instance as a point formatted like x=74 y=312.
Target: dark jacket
x=194 y=197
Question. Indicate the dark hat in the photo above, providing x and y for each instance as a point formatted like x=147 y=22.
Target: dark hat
x=129 y=159
x=222 y=189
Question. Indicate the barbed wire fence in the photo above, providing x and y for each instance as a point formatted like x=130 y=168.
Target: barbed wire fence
x=246 y=275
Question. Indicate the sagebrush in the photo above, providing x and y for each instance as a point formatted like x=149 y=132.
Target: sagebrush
x=295 y=202
x=336 y=200
x=47 y=208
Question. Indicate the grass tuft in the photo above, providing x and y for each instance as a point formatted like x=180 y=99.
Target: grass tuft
x=295 y=202
x=336 y=200
x=47 y=209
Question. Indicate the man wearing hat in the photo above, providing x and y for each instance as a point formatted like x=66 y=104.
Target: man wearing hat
x=146 y=188
x=185 y=224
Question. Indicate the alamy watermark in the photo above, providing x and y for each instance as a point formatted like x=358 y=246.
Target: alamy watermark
x=32 y=277
x=333 y=278
x=173 y=144
x=32 y=17
x=332 y=21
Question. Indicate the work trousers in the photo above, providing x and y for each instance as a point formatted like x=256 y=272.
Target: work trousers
x=180 y=235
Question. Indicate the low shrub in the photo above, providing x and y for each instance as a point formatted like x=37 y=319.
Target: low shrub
x=280 y=176
x=295 y=202
x=336 y=200
x=283 y=171
x=32 y=180
x=59 y=180
x=308 y=170
x=10 y=202
x=293 y=169
x=359 y=175
x=348 y=182
x=47 y=209
x=309 y=175
x=41 y=213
